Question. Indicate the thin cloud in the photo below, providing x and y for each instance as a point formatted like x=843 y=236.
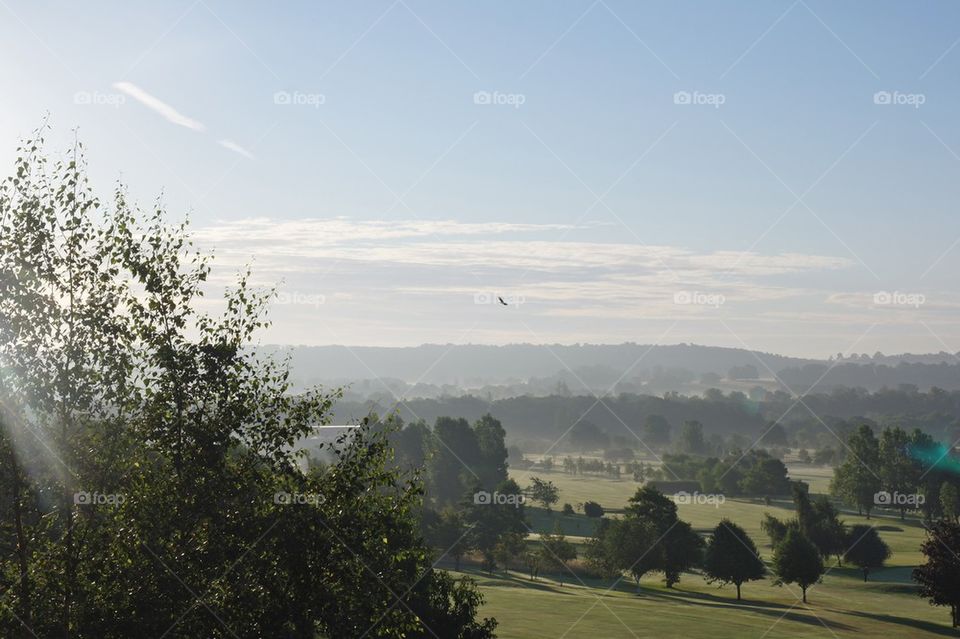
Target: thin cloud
x=159 y=106
x=236 y=148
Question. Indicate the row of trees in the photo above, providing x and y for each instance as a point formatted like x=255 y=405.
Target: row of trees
x=899 y=470
x=650 y=537
x=753 y=473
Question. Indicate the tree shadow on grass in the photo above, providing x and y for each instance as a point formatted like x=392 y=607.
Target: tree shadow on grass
x=919 y=624
x=511 y=580
x=768 y=608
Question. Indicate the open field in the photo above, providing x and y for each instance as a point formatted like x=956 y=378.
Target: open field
x=841 y=606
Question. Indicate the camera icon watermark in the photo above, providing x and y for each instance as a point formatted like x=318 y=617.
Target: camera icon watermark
x=697 y=498
x=301 y=299
x=716 y=100
x=897 y=98
x=299 y=98
x=304 y=499
x=898 y=298
x=699 y=298
x=899 y=500
x=87 y=498
x=498 y=98
x=484 y=498
x=96 y=98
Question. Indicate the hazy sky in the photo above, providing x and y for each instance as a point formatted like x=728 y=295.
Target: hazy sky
x=776 y=175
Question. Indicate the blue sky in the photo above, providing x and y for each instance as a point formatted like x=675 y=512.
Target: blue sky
x=393 y=163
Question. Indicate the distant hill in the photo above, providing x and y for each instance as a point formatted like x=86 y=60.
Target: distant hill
x=474 y=365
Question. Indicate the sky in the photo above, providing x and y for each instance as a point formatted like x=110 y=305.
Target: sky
x=780 y=176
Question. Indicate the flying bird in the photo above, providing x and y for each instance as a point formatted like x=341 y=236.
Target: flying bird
x=501 y=300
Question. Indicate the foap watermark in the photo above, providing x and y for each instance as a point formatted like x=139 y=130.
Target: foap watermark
x=898 y=298
x=898 y=98
x=302 y=299
x=96 y=98
x=499 y=98
x=484 y=498
x=503 y=299
x=299 y=98
x=898 y=500
x=87 y=498
x=699 y=499
x=716 y=100
x=284 y=498
x=698 y=298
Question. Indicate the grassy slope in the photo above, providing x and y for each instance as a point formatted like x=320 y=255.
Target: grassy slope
x=841 y=606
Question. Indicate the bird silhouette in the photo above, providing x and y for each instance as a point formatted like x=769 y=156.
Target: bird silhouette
x=501 y=300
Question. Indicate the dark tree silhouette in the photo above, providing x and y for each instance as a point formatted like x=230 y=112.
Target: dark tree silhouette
x=731 y=556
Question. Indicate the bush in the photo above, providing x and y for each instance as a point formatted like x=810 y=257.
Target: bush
x=592 y=509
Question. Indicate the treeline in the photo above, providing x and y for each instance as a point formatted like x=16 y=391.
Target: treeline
x=538 y=422
x=873 y=376
x=898 y=470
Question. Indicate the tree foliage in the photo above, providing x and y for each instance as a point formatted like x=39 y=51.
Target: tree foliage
x=731 y=557
x=150 y=455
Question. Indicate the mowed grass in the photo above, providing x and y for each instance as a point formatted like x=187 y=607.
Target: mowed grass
x=841 y=606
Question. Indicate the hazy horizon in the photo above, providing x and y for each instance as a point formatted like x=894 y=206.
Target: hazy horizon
x=778 y=177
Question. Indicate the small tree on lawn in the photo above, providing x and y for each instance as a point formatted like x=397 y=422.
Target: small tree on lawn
x=732 y=557
x=509 y=549
x=797 y=560
x=556 y=551
x=544 y=492
x=866 y=550
x=939 y=578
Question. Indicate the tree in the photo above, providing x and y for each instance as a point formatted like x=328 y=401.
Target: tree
x=656 y=430
x=797 y=560
x=825 y=529
x=624 y=544
x=492 y=464
x=691 y=438
x=764 y=475
x=592 y=509
x=411 y=444
x=510 y=548
x=586 y=436
x=489 y=522
x=775 y=435
x=682 y=550
x=776 y=528
x=898 y=470
x=939 y=578
x=455 y=450
x=856 y=480
x=732 y=557
x=679 y=547
x=556 y=551
x=544 y=492
x=156 y=436
x=950 y=501
x=865 y=549
x=449 y=534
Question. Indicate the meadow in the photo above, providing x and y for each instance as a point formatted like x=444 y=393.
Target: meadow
x=841 y=606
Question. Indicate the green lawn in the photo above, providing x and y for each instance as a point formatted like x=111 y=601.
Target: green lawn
x=842 y=606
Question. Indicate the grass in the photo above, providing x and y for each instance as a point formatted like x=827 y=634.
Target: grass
x=841 y=606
